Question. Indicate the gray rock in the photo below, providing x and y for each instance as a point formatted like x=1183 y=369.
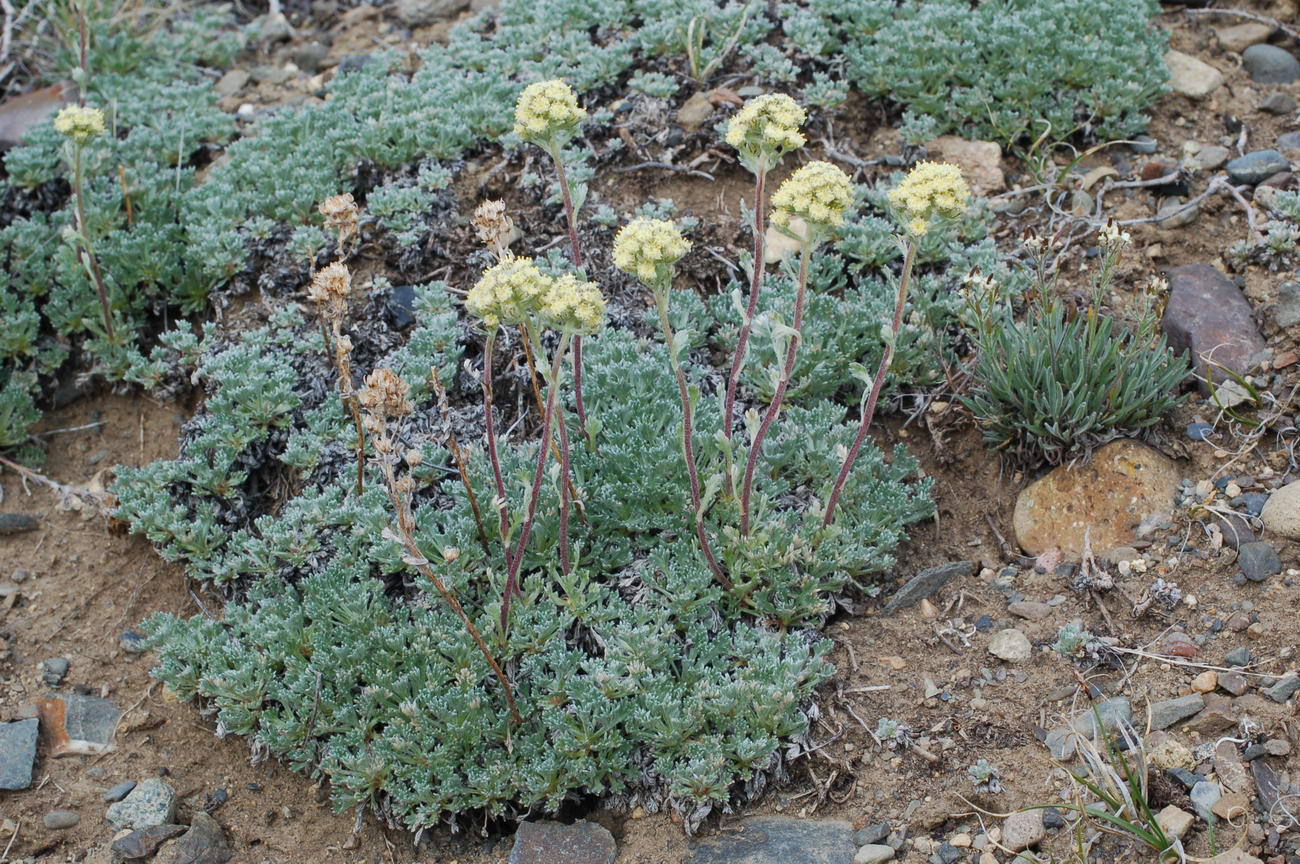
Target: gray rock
x=419 y=13
x=871 y=834
x=1238 y=657
x=1288 y=141
x=131 y=642
x=1167 y=712
x=1011 y=646
x=1278 y=103
x=78 y=725
x=1030 y=610
x=873 y=853
x=926 y=583
x=1115 y=712
x=776 y=840
x=946 y=853
x=17 y=753
x=1207 y=316
x=142 y=844
x=1177 y=214
x=272 y=27
x=1204 y=795
x=118 y=792
x=151 y=803
x=53 y=670
x=232 y=82
x=1257 y=167
x=1269 y=64
x=1284 y=689
x=1236 y=528
x=310 y=57
x=553 y=843
x=1239 y=37
x=206 y=843
x=17 y=523
x=1281 y=512
x=1286 y=312
x=1190 y=76
x=1209 y=158
x=1023 y=829
x=1258 y=561
x=1265 y=784
x=61 y=820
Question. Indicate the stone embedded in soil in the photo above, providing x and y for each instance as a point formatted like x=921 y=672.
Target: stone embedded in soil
x=420 y=13
x=1257 y=167
x=1239 y=656
x=206 y=843
x=1232 y=856
x=695 y=111
x=1266 y=788
x=142 y=844
x=151 y=803
x=1011 y=646
x=1284 y=689
x=1209 y=158
x=75 y=725
x=1177 y=214
x=1208 y=316
x=232 y=82
x=61 y=820
x=1258 y=561
x=553 y=843
x=871 y=834
x=775 y=840
x=1281 y=513
x=1204 y=795
x=873 y=853
x=1269 y=64
x=1030 y=610
x=1239 y=37
x=1190 y=76
x=53 y=670
x=1167 y=712
x=17 y=753
x=1206 y=682
x=980 y=161
x=1124 y=484
x=20 y=115
x=1023 y=829
x=118 y=792
x=17 y=523
x=1114 y=712
x=926 y=583
x=1233 y=682
x=1286 y=310
x=1235 y=528
x=1278 y=103
x=1174 y=821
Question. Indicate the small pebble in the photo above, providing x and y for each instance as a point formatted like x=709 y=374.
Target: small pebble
x=118 y=792
x=61 y=820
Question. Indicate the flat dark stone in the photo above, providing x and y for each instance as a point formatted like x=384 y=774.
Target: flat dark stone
x=1256 y=167
x=1284 y=689
x=17 y=523
x=1208 y=317
x=925 y=583
x=777 y=840
x=143 y=843
x=17 y=753
x=553 y=843
x=1258 y=561
x=118 y=792
x=204 y=843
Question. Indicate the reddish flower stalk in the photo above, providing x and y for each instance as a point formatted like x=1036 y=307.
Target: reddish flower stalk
x=575 y=253
x=742 y=342
x=787 y=370
x=517 y=558
x=869 y=410
x=562 y=428
x=501 y=502
x=688 y=449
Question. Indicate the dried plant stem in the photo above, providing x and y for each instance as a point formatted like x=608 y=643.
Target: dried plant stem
x=575 y=252
x=414 y=557
x=349 y=397
x=869 y=410
x=463 y=470
x=742 y=342
x=503 y=518
x=756 y=448
x=688 y=447
x=548 y=416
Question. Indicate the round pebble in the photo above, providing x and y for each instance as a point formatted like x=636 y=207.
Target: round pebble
x=61 y=820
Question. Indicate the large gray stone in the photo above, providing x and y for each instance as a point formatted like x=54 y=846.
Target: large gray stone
x=17 y=753
x=1270 y=64
x=925 y=583
x=1190 y=76
x=1208 y=317
x=204 y=843
x=1258 y=561
x=1257 y=167
x=1167 y=712
x=75 y=725
x=1284 y=689
x=150 y=804
x=554 y=843
x=1281 y=513
x=777 y=840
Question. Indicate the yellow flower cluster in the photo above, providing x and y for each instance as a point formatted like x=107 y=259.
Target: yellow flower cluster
x=573 y=306
x=931 y=190
x=546 y=109
x=818 y=193
x=647 y=248
x=767 y=126
x=514 y=291
x=80 y=124
x=508 y=292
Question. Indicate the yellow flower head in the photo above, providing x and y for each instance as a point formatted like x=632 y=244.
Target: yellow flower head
x=767 y=126
x=573 y=306
x=546 y=109
x=79 y=124
x=818 y=193
x=930 y=191
x=508 y=292
x=648 y=248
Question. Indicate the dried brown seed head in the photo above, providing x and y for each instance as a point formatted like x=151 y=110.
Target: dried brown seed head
x=386 y=394
x=340 y=212
x=494 y=226
x=330 y=288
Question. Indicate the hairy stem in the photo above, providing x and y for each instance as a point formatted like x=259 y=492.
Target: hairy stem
x=86 y=248
x=869 y=410
x=463 y=470
x=742 y=342
x=548 y=416
x=350 y=401
x=563 y=430
x=756 y=448
x=575 y=252
x=688 y=447
x=503 y=518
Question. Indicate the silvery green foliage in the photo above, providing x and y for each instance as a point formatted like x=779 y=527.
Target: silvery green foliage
x=1004 y=70
x=637 y=675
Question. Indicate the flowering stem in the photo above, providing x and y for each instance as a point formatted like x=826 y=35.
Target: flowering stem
x=517 y=558
x=561 y=448
x=414 y=557
x=575 y=252
x=350 y=402
x=805 y=253
x=869 y=410
x=688 y=449
x=533 y=348
x=756 y=282
x=503 y=517
x=86 y=248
